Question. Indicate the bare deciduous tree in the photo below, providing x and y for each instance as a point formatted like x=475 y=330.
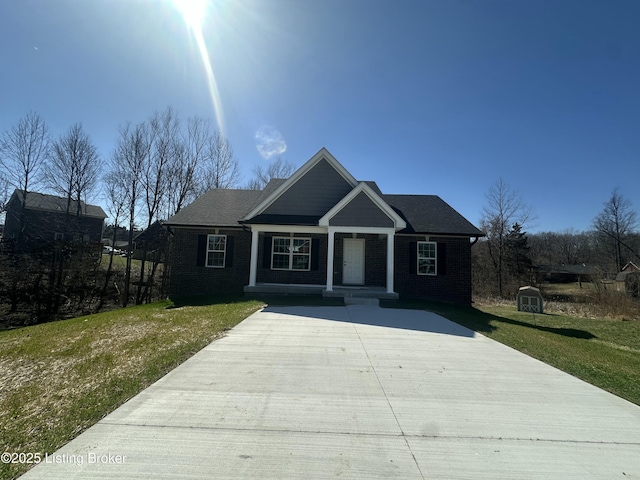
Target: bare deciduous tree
x=4 y=192
x=127 y=163
x=278 y=169
x=74 y=167
x=164 y=135
x=220 y=166
x=183 y=172
x=115 y=193
x=72 y=172
x=562 y=248
x=23 y=151
x=504 y=209
x=616 y=222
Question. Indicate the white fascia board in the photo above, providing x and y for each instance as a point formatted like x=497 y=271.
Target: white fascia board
x=444 y=235
x=398 y=222
x=373 y=230
x=288 y=228
x=322 y=153
x=321 y=229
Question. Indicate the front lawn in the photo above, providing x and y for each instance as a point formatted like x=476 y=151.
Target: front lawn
x=605 y=353
x=57 y=379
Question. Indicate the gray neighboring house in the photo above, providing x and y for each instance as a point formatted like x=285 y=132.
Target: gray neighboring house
x=321 y=231
x=46 y=221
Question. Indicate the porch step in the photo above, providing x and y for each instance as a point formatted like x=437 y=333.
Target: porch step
x=361 y=301
x=372 y=292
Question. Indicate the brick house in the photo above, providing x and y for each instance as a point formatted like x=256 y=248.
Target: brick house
x=42 y=220
x=321 y=231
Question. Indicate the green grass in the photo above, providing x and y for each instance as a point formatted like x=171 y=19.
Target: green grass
x=58 y=379
x=120 y=263
x=605 y=353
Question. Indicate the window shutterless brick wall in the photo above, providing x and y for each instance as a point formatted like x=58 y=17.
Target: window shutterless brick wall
x=188 y=278
x=452 y=286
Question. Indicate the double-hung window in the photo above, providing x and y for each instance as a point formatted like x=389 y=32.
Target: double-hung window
x=426 y=258
x=216 y=250
x=291 y=253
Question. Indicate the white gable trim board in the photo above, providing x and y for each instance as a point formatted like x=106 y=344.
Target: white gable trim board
x=399 y=223
x=323 y=154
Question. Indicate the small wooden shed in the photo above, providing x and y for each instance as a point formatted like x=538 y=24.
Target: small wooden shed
x=529 y=299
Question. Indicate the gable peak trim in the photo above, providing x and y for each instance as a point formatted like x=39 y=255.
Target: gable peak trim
x=362 y=187
x=322 y=154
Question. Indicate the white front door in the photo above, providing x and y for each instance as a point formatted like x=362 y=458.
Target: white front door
x=353 y=261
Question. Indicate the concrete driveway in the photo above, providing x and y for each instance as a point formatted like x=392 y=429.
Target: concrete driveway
x=359 y=392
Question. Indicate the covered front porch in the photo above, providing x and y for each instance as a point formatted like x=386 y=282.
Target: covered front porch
x=335 y=292
x=343 y=261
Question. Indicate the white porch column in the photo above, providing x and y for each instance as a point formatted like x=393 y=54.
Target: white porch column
x=330 y=249
x=253 y=265
x=390 y=256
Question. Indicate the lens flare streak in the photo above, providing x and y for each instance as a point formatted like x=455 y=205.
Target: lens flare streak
x=193 y=13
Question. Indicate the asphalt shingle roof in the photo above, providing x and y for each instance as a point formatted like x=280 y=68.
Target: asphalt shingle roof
x=52 y=203
x=430 y=214
x=217 y=207
x=224 y=207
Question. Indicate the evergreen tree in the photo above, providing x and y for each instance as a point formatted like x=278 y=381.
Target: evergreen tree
x=517 y=260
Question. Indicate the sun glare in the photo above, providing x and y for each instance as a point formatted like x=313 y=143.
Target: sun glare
x=194 y=12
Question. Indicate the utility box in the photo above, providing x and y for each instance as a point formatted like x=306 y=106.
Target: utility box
x=529 y=299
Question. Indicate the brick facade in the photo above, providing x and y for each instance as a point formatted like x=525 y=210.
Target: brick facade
x=323 y=195
x=188 y=278
x=316 y=276
x=452 y=286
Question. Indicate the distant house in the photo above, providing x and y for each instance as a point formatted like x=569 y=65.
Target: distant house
x=630 y=267
x=322 y=232
x=119 y=244
x=628 y=280
x=151 y=241
x=151 y=238
x=44 y=220
x=569 y=273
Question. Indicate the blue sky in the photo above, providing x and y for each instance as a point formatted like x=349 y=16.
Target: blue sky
x=431 y=97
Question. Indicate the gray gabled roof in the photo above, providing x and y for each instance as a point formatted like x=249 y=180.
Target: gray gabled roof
x=217 y=207
x=427 y=214
x=225 y=207
x=52 y=203
x=430 y=214
x=222 y=207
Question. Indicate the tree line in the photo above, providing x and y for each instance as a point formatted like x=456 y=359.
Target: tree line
x=508 y=257
x=156 y=167
x=159 y=165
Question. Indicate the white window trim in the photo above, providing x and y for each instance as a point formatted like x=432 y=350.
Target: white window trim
x=224 y=253
x=291 y=254
x=435 y=259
